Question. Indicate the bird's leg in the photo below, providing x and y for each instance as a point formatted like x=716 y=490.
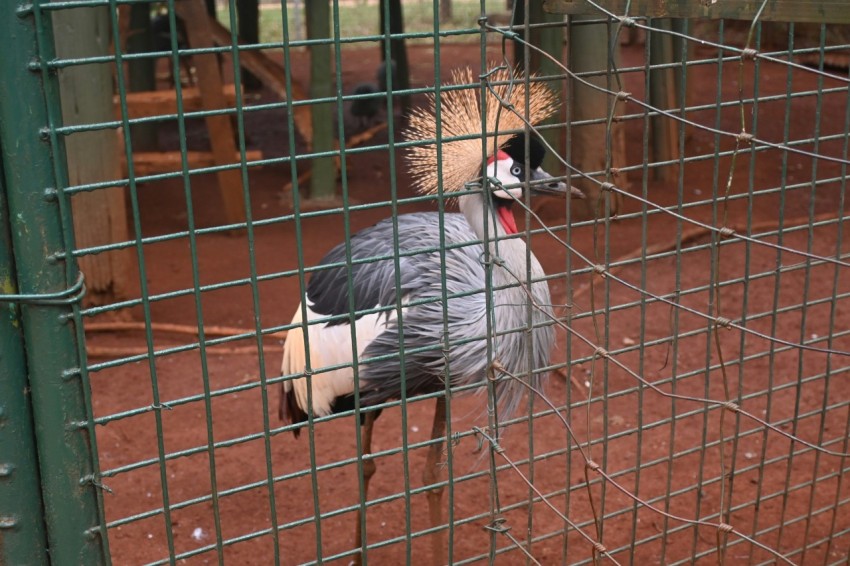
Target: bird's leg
x=368 y=471
x=433 y=474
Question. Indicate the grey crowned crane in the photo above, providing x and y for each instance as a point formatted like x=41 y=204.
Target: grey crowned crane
x=422 y=327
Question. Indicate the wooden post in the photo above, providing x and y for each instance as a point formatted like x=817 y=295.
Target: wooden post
x=550 y=40
x=445 y=11
x=210 y=84
x=398 y=52
x=248 y=15
x=100 y=216
x=588 y=51
x=141 y=71
x=323 y=180
x=662 y=94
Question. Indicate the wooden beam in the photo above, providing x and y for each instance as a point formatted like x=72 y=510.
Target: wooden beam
x=219 y=127
x=587 y=52
x=153 y=162
x=323 y=181
x=817 y=11
x=159 y=102
x=100 y=217
x=273 y=75
x=662 y=94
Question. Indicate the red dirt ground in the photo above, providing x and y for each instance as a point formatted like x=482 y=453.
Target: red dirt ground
x=628 y=424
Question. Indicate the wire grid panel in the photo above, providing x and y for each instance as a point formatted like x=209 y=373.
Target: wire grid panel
x=697 y=405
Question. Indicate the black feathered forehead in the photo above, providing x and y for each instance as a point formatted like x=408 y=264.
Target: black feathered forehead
x=515 y=147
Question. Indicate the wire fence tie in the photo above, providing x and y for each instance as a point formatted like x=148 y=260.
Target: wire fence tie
x=723 y=322
x=494 y=444
x=744 y=137
x=725 y=528
x=731 y=406
x=497 y=525
x=89 y=479
x=24 y=10
x=50 y=195
x=71 y=295
x=623 y=95
x=602 y=352
x=726 y=232
x=749 y=54
x=71 y=373
x=592 y=466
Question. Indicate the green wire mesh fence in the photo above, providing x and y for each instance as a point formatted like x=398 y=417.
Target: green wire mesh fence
x=154 y=247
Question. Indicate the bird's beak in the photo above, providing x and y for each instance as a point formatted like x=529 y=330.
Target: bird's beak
x=539 y=186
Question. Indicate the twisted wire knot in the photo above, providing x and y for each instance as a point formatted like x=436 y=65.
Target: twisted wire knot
x=89 y=479
x=498 y=525
x=749 y=54
x=744 y=137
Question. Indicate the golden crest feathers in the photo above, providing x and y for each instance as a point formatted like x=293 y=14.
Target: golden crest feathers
x=460 y=116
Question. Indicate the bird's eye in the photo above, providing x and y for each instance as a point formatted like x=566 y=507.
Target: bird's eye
x=516 y=170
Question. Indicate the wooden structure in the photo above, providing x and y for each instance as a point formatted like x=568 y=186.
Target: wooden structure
x=99 y=216
x=213 y=92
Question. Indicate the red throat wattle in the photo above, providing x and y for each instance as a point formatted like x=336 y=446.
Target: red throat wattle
x=506 y=217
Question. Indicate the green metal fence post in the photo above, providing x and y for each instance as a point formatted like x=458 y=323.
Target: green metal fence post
x=22 y=537
x=48 y=282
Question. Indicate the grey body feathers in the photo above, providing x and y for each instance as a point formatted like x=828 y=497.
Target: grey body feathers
x=426 y=362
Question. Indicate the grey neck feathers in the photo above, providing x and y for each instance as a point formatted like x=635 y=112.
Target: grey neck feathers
x=510 y=268
x=511 y=253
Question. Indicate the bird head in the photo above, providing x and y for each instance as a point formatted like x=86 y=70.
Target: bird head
x=513 y=159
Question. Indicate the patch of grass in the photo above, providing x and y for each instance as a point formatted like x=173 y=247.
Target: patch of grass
x=362 y=18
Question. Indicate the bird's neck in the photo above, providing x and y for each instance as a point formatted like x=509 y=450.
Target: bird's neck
x=510 y=253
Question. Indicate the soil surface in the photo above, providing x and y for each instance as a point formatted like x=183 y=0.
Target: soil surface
x=782 y=491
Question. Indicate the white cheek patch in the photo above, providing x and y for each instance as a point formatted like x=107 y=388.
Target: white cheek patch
x=501 y=170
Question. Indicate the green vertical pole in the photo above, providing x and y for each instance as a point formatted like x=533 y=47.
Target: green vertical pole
x=34 y=164
x=22 y=536
x=323 y=179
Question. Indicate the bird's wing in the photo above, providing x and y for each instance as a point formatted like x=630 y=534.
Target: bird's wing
x=373 y=273
x=416 y=352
